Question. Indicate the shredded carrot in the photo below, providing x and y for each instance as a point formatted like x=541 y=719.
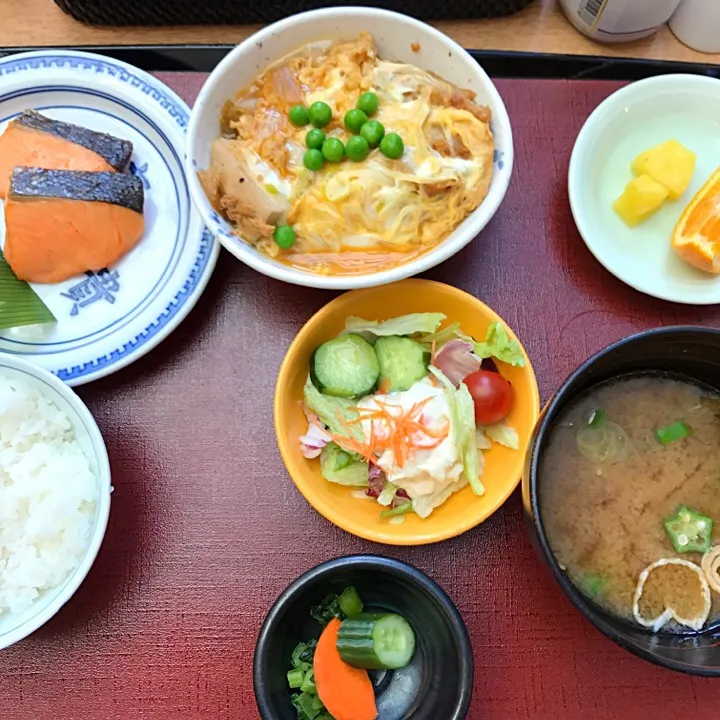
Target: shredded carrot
x=405 y=432
x=432 y=352
x=384 y=387
x=346 y=692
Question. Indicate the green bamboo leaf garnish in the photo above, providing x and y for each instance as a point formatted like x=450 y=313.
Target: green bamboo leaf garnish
x=19 y=303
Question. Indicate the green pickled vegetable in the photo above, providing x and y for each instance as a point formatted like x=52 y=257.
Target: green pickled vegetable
x=305 y=706
x=295 y=678
x=298 y=655
x=19 y=303
x=670 y=433
x=308 y=683
x=350 y=602
x=326 y=610
x=689 y=530
x=376 y=641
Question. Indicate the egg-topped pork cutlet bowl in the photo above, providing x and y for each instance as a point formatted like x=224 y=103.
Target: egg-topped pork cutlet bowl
x=357 y=219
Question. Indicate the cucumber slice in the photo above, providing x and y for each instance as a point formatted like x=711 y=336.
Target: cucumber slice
x=345 y=367
x=402 y=362
x=376 y=641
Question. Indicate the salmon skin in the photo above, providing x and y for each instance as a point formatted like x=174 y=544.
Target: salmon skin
x=32 y=140
x=115 y=152
x=108 y=187
x=61 y=223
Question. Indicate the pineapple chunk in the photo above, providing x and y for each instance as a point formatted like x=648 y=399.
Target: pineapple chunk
x=670 y=163
x=642 y=197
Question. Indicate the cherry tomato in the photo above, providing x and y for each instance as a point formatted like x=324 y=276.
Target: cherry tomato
x=492 y=394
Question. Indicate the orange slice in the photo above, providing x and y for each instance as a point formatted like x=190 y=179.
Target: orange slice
x=696 y=237
x=672 y=589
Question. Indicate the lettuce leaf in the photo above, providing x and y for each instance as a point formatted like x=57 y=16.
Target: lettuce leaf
x=403 y=325
x=423 y=505
x=387 y=495
x=503 y=435
x=334 y=412
x=441 y=337
x=462 y=414
x=497 y=344
x=339 y=467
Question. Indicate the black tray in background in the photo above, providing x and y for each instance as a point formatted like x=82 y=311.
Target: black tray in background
x=203 y=58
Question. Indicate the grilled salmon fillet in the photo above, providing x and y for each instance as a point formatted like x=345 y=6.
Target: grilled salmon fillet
x=32 y=140
x=60 y=223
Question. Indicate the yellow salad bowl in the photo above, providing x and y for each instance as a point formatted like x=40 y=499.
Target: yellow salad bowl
x=463 y=510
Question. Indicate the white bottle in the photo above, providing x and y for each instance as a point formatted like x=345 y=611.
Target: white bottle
x=697 y=24
x=615 y=21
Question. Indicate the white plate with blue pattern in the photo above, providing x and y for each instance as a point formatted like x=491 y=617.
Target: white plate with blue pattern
x=106 y=320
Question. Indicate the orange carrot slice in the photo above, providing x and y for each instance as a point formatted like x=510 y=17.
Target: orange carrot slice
x=346 y=692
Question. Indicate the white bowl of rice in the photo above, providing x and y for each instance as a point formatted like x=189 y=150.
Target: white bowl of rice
x=54 y=496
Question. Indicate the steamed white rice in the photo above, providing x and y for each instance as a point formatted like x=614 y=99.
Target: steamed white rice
x=48 y=496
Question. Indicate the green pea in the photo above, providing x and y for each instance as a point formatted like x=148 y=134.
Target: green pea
x=285 y=236
x=333 y=150
x=320 y=114
x=354 y=120
x=373 y=131
x=299 y=115
x=315 y=138
x=392 y=146
x=357 y=148
x=313 y=159
x=368 y=103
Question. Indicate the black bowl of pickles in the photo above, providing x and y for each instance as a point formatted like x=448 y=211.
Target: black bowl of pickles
x=363 y=638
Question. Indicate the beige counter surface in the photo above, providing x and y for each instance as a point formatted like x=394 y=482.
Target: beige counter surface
x=539 y=28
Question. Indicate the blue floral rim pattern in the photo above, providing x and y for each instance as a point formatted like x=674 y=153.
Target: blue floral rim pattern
x=208 y=249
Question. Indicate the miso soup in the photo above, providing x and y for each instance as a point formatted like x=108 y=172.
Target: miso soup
x=631 y=475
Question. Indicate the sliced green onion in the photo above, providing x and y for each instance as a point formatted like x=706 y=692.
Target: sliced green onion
x=303 y=703
x=19 y=303
x=387 y=494
x=399 y=510
x=296 y=658
x=593 y=584
x=597 y=417
x=295 y=678
x=603 y=443
x=317 y=704
x=670 y=433
x=308 y=683
x=350 y=602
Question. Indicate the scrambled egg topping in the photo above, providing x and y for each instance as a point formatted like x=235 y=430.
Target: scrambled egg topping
x=394 y=207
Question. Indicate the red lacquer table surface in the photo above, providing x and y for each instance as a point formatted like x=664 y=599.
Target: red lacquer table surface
x=207 y=528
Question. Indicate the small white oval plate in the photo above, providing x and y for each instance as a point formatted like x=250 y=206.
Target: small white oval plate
x=107 y=320
x=637 y=117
